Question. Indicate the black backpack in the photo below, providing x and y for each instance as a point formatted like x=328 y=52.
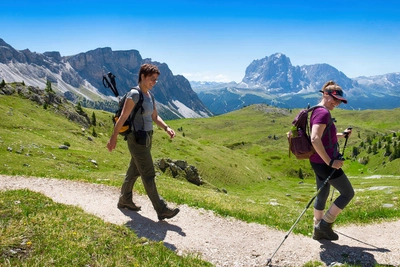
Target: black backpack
x=299 y=135
x=109 y=82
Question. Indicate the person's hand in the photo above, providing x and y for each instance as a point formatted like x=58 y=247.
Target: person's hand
x=112 y=143
x=337 y=164
x=170 y=132
x=347 y=132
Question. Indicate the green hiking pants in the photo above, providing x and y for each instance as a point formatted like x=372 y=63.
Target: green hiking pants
x=141 y=164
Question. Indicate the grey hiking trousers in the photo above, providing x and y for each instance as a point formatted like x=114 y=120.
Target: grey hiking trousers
x=141 y=164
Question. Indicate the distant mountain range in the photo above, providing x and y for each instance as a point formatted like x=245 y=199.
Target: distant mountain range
x=80 y=77
x=274 y=80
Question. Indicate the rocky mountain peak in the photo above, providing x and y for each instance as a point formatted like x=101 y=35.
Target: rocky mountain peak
x=272 y=73
x=3 y=43
x=82 y=74
x=274 y=80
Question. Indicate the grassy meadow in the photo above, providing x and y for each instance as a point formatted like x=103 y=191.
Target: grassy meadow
x=243 y=153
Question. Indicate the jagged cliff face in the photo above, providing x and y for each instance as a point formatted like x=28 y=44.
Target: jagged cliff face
x=35 y=69
x=277 y=75
x=82 y=75
x=93 y=64
x=273 y=73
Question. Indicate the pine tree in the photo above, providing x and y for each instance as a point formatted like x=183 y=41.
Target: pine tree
x=301 y=176
x=79 y=108
x=389 y=140
x=93 y=119
x=48 y=87
x=387 y=152
x=396 y=151
x=375 y=149
x=355 y=152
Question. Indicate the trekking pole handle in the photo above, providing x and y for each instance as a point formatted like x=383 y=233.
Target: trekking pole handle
x=346 y=135
x=347 y=132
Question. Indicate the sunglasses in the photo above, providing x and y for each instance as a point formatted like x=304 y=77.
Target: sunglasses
x=335 y=92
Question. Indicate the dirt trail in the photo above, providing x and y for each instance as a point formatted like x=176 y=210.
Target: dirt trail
x=222 y=241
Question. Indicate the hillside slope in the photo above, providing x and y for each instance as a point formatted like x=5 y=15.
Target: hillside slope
x=242 y=157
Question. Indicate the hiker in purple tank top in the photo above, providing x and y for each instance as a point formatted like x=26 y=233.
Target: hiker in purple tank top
x=326 y=159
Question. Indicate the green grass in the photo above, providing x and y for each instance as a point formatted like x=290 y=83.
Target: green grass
x=243 y=152
x=35 y=231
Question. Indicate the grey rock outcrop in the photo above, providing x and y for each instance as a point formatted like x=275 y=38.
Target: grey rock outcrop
x=180 y=169
x=52 y=99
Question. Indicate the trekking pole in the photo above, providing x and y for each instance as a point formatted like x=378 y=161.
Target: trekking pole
x=109 y=82
x=301 y=215
x=342 y=157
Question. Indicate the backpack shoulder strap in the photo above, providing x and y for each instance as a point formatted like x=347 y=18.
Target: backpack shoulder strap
x=307 y=124
x=331 y=120
x=140 y=102
x=315 y=107
x=138 y=105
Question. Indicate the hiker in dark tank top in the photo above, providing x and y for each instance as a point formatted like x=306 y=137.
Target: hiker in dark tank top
x=139 y=143
x=327 y=159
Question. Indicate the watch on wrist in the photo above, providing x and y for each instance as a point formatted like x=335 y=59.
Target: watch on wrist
x=331 y=163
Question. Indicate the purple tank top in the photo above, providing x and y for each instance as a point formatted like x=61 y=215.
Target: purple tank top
x=322 y=116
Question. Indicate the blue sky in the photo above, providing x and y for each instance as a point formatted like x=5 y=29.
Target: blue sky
x=214 y=40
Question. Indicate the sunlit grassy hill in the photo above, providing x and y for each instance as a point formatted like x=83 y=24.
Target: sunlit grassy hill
x=244 y=152
x=259 y=132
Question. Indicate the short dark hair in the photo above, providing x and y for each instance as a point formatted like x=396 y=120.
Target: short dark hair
x=147 y=70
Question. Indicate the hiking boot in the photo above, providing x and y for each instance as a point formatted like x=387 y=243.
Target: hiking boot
x=167 y=213
x=129 y=206
x=323 y=230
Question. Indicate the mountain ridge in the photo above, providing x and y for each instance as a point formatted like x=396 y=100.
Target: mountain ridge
x=275 y=81
x=270 y=80
x=80 y=77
